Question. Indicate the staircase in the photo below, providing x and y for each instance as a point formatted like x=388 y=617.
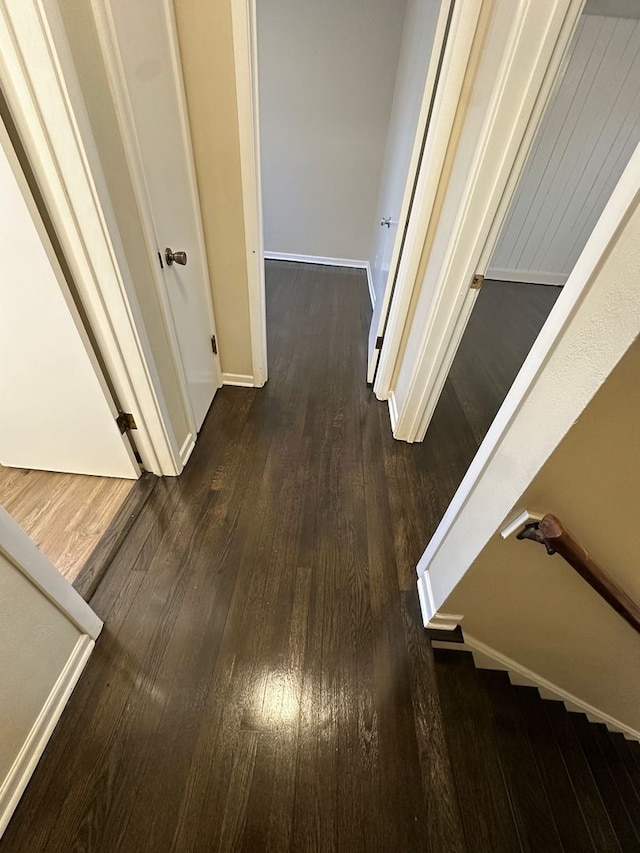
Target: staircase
x=529 y=774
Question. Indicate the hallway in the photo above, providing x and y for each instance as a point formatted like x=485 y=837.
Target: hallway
x=263 y=681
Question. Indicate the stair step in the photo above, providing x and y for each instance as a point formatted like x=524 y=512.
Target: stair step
x=588 y=736
x=618 y=771
x=598 y=821
x=532 y=811
x=484 y=802
x=623 y=748
x=570 y=821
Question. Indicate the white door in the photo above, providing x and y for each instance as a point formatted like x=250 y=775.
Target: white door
x=141 y=48
x=423 y=20
x=56 y=412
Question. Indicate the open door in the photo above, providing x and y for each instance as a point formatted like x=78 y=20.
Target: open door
x=56 y=412
x=423 y=42
x=141 y=53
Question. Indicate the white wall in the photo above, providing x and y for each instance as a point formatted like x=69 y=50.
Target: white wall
x=47 y=634
x=326 y=75
x=587 y=135
x=36 y=640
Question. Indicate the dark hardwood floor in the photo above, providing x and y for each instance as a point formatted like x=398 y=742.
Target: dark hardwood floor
x=263 y=680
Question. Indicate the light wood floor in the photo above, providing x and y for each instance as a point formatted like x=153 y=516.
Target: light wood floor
x=65 y=514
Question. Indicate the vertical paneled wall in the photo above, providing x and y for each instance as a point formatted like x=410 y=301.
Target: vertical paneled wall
x=588 y=133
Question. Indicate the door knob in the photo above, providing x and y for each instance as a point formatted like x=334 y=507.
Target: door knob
x=386 y=222
x=175 y=257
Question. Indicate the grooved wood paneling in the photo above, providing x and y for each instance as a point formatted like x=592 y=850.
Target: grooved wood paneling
x=587 y=135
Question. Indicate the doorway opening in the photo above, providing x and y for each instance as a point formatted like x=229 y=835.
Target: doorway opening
x=589 y=130
x=342 y=115
x=58 y=412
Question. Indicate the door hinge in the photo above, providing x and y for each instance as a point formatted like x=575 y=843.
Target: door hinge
x=125 y=421
x=379 y=341
x=214 y=345
x=477 y=281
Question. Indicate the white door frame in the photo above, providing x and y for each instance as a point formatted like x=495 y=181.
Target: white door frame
x=126 y=123
x=437 y=122
x=245 y=51
x=397 y=279
x=511 y=110
x=43 y=94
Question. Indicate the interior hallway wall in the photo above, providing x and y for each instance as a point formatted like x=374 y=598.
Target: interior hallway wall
x=326 y=76
x=536 y=609
x=206 y=46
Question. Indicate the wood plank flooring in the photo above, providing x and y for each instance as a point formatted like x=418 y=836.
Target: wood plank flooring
x=66 y=515
x=263 y=681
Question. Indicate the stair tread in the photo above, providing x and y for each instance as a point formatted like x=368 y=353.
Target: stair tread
x=532 y=811
x=600 y=826
x=623 y=749
x=616 y=808
x=618 y=770
x=485 y=808
x=570 y=821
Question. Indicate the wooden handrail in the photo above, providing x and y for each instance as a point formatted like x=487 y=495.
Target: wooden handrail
x=554 y=535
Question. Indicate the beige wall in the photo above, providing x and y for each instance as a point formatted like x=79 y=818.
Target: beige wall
x=83 y=40
x=327 y=73
x=36 y=641
x=535 y=609
x=206 y=44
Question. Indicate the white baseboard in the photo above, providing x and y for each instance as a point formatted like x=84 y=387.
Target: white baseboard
x=242 y=380
x=486 y=657
x=316 y=259
x=322 y=261
x=22 y=769
x=187 y=448
x=527 y=276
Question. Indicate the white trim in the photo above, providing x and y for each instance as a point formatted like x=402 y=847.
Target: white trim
x=522 y=518
x=23 y=553
x=457 y=52
x=22 y=769
x=401 y=292
x=316 y=259
x=242 y=380
x=393 y=410
x=520 y=674
x=557 y=279
x=372 y=293
x=245 y=53
x=187 y=448
x=527 y=68
x=485 y=496
x=431 y=618
x=347 y=263
x=106 y=31
x=46 y=107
